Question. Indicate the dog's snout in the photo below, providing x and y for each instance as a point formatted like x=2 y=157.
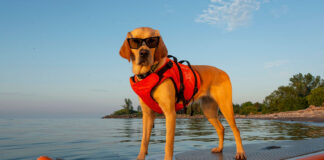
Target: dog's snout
x=144 y=52
x=143 y=56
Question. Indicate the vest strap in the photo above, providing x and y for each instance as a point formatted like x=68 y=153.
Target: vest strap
x=196 y=81
x=181 y=90
x=164 y=69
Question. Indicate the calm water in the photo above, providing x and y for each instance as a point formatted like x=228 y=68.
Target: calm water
x=120 y=138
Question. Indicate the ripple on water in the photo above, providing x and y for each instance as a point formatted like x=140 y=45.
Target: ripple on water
x=121 y=138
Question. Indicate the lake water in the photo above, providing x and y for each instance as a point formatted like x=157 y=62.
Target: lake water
x=80 y=139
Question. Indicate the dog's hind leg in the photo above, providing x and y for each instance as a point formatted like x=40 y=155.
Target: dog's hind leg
x=210 y=110
x=222 y=94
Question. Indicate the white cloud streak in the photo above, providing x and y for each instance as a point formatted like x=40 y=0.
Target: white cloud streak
x=230 y=14
x=277 y=13
x=274 y=64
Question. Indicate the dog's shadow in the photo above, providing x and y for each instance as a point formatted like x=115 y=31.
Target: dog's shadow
x=203 y=155
x=219 y=155
x=191 y=156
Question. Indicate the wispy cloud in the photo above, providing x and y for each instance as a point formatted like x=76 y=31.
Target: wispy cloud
x=230 y=14
x=168 y=9
x=274 y=64
x=279 y=12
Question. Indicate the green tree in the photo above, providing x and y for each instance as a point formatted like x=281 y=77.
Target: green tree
x=121 y=112
x=128 y=106
x=316 y=96
x=292 y=97
x=194 y=108
x=258 y=106
x=250 y=108
x=245 y=104
x=321 y=83
x=285 y=98
x=139 y=109
x=236 y=108
x=303 y=84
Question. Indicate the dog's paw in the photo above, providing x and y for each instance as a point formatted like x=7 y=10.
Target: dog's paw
x=240 y=156
x=140 y=157
x=217 y=150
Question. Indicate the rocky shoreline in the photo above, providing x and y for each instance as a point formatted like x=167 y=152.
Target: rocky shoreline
x=311 y=114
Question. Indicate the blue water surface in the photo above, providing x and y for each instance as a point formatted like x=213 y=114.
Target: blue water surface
x=81 y=139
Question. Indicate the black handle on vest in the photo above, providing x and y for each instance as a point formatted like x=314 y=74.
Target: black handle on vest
x=194 y=73
x=181 y=90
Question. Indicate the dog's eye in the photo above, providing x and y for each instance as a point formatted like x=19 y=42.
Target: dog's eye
x=151 y=41
x=136 y=40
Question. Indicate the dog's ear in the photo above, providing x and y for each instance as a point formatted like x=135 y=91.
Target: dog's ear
x=161 y=51
x=125 y=50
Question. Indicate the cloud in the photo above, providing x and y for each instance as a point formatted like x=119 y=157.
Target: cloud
x=274 y=64
x=168 y=9
x=230 y=14
x=279 y=12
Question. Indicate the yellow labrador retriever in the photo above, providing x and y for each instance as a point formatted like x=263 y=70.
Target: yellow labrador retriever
x=215 y=91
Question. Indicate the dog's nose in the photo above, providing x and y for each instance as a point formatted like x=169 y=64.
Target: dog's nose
x=144 y=52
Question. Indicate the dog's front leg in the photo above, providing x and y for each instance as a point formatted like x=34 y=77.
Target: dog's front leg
x=165 y=96
x=148 y=120
x=170 y=118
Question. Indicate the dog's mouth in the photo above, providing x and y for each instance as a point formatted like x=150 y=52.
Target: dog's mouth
x=141 y=69
x=143 y=63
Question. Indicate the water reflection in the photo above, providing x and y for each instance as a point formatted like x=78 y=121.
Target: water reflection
x=278 y=130
x=128 y=130
x=200 y=130
x=298 y=131
x=121 y=138
x=193 y=134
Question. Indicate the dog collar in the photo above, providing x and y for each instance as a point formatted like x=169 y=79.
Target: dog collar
x=142 y=76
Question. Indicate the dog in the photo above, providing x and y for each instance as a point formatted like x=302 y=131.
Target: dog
x=143 y=50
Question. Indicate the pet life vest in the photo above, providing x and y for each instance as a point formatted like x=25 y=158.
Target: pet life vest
x=186 y=82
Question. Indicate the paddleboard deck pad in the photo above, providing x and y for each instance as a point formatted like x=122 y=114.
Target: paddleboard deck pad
x=275 y=150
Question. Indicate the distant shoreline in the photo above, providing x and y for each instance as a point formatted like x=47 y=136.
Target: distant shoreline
x=311 y=114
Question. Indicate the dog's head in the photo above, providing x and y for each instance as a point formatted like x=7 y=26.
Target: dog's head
x=143 y=46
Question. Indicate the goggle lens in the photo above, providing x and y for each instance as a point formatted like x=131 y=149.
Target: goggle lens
x=151 y=42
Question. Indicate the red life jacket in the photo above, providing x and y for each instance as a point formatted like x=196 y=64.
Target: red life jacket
x=186 y=82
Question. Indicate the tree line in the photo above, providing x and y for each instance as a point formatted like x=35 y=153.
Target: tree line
x=302 y=91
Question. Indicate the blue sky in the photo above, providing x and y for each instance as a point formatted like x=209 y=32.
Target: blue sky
x=61 y=58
